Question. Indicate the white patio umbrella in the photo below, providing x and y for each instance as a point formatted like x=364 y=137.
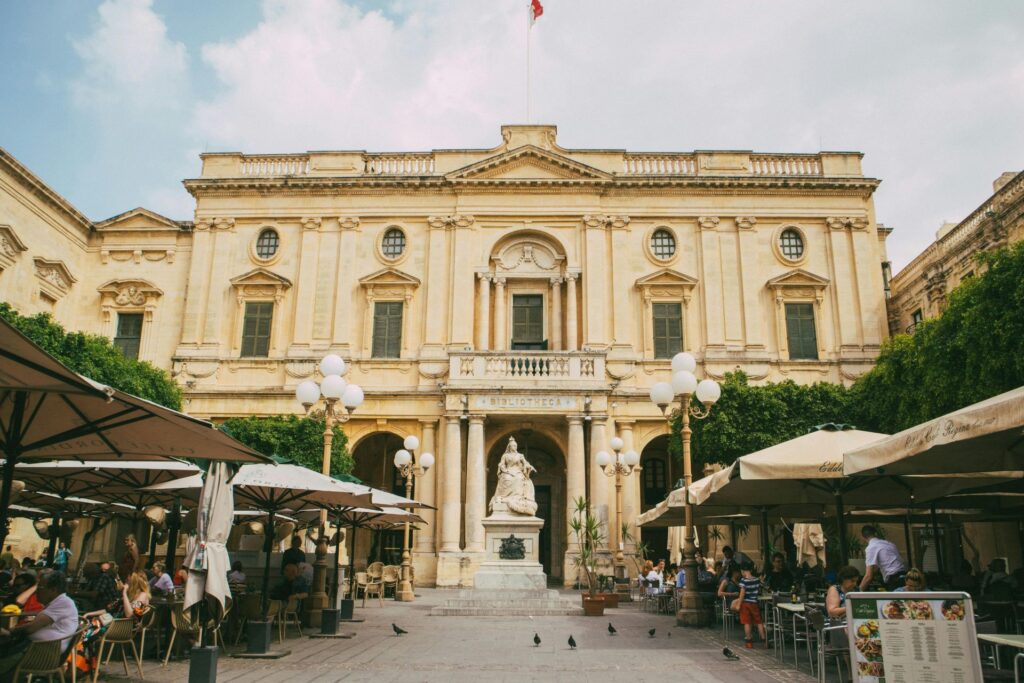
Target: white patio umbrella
x=983 y=437
x=208 y=562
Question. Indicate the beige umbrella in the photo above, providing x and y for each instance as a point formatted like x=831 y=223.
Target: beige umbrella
x=809 y=540
x=208 y=563
x=983 y=437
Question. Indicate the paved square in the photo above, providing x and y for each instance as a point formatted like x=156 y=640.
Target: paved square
x=475 y=649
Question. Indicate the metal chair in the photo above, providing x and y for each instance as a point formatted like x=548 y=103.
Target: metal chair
x=783 y=627
x=833 y=643
x=119 y=633
x=289 y=616
x=728 y=617
x=390 y=577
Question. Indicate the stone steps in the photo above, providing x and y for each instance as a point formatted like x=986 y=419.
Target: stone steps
x=505 y=612
x=513 y=603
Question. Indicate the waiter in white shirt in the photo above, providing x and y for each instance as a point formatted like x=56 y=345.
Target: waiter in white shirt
x=882 y=559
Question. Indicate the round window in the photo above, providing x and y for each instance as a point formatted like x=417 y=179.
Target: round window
x=393 y=244
x=267 y=244
x=791 y=243
x=663 y=244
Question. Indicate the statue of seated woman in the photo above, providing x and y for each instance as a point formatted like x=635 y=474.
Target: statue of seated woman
x=514 y=492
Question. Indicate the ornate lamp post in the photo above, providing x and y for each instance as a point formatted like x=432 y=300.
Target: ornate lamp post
x=333 y=389
x=620 y=467
x=684 y=386
x=409 y=470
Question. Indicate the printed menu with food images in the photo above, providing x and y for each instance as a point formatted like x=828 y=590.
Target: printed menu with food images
x=912 y=638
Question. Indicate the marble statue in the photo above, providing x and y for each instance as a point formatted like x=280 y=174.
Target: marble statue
x=514 y=492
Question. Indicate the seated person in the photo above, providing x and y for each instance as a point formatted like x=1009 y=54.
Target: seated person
x=134 y=598
x=24 y=596
x=835 y=601
x=100 y=590
x=965 y=580
x=180 y=576
x=236 y=575
x=993 y=577
x=914 y=581
x=160 y=582
x=778 y=578
x=306 y=570
x=729 y=586
x=57 y=621
x=655 y=578
x=292 y=583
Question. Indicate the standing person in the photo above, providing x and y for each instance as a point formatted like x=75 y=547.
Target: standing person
x=883 y=561
x=7 y=559
x=129 y=563
x=750 y=611
x=732 y=557
x=57 y=621
x=61 y=558
x=778 y=578
x=294 y=554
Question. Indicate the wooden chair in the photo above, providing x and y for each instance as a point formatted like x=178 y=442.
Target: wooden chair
x=146 y=621
x=248 y=610
x=390 y=578
x=180 y=624
x=373 y=586
x=274 y=608
x=375 y=571
x=119 y=633
x=289 y=616
x=45 y=658
x=360 y=584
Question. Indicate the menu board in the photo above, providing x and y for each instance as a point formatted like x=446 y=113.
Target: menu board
x=912 y=638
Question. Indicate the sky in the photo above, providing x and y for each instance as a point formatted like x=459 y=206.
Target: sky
x=110 y=102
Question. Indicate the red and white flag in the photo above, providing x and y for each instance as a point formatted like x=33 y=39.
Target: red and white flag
x=536 y=9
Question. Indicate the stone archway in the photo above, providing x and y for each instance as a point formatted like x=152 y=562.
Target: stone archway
x=549 y=482
x=374 y=466
x=655 y=483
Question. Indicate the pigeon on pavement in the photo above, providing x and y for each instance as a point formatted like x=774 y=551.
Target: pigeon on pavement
x=651 y=632
x=729 y=654
x=536 y=640
x=572 y=643
x=398 y=631
x=611 y=629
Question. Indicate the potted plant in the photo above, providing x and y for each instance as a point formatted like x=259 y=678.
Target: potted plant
x=586 y=530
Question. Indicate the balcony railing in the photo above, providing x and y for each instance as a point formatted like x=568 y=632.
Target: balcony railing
x=785 y=164
x=660 y=164
x=275 y=165
x=526 y=367
x=398 y=164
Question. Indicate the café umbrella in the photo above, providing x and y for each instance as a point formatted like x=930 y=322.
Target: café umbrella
x=49 y=412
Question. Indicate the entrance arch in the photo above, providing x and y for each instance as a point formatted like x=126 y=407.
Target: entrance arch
x=374 y=458
x=655 y=483
x=549 y=485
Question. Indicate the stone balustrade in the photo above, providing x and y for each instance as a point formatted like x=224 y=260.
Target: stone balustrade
x=275 y=165
x=398 y=164
x=513 y=368
x=785 y=164
x=660 y=164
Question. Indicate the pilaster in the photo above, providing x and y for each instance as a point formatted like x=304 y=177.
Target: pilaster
x=476 y=485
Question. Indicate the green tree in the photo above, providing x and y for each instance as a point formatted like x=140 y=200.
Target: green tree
x=973 y=351
x=96 y=358
x=300 y=439
x=750 y=417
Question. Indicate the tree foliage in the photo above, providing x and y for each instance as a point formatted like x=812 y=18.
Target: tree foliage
x=973 y=351
x=95 y=357
x=300 y=439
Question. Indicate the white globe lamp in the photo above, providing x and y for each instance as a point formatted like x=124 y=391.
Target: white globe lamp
x=353 y=396
x=683 y=382
x=708 y=392
x=427 y=461
x=332 y=364
x=403 y=458
x=333 y=387
x=411 y=443
x=307 y=393
x=603 y=459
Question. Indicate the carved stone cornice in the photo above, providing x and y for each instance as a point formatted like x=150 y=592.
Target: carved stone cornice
x=348 y=222
x=601 y=221
x=847 y=222
x=745 y=222
x=708 y=222
x=311 y=223
x=450 y=222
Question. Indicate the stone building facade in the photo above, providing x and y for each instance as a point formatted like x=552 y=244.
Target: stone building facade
x=526 y=290
x=919 y=290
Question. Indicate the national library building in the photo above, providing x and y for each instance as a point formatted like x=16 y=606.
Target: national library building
x=525 y=290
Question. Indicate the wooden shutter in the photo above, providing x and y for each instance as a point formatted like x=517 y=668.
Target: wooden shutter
x=256 y=326
x=129 y=334
x=803 y=340
x=668 y=329
x=387 y=329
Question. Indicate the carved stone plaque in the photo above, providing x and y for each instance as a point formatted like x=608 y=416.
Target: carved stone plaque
x=512 y=548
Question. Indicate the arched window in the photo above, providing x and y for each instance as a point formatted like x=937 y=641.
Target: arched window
x=655 y=487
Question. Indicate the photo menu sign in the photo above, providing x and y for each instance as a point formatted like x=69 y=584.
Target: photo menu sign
x=912 y=638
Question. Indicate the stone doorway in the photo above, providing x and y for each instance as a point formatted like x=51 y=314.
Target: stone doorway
x=374 y=465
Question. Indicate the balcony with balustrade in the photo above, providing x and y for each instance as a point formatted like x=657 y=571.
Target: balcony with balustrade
x=566 y=370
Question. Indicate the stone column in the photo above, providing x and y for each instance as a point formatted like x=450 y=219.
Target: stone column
x=476 y=485
x=570 y=311
x=575 y=487
x=425 y=488
x=598 y=479
x=483 y=323
x=556 y=314
x=500 y=327
x=451 y=497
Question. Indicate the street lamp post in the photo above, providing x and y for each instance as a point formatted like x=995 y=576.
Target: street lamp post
x=333 y=389
x=409 y=470
x=620 y=466
x=684 y=386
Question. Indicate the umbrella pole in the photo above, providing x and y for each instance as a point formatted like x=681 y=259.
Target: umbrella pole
x=13 y=443
x=51 y=549
x=908 y=539
x=337 y=569
x=172 y=535
x=938 y=543
x=268 y=546
x=152 y=545
x=352 y=565
x=841 y=526
x=765 y=539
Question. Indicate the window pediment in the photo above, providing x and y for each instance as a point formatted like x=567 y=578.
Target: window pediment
x=666 y=283
x=261 y=283
x=10 y=246
x=528 y=163
x=129 y=292
x=797 y=283
x=55 y=277
x=389 y=282
x=527 y=256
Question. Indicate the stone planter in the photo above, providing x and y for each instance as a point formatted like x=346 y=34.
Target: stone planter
x=593 y=606
x=611 y=600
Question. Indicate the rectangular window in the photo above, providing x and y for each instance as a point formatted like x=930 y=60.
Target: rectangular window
x=668 y=329
x=528 y=322
x=803 y=341
x=917 y=316
x=259 y=317
x=129 y=334
x=387 y=329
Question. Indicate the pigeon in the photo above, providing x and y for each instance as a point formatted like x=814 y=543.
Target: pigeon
x=670 y=634
x=729 y=654
x=398 y=631
x=611 y=629
x=651 y=632
x=572 y=643
x=536 y=640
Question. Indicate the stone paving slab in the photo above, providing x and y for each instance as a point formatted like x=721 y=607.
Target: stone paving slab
x=477 y=649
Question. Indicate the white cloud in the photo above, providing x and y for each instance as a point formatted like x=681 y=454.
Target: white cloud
x=129 y=62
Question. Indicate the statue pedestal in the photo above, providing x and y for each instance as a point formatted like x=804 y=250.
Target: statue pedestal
x=511 y=560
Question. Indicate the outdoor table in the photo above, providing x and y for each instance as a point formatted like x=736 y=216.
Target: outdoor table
x=796 y=610
x=1007 y=639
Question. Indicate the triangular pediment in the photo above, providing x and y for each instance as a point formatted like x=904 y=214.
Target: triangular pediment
x=666 y=277
x=261 y=276
x=798 y=278
x=138 y=218
x=389 y=277
x=529 y=163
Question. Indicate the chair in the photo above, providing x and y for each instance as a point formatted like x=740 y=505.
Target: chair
x=374 y=586
x=45 y=658
x=248 y=610
x=360 y=583
x=274 y=608
x=728 y=617
x=390 y=578
x=289 y=616
x=375 y=570
x=783 y=627
x=833 y=643
x=119 y=633
x=180 y=624
x=146 y=622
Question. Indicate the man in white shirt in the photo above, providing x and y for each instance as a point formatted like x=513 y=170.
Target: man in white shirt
x=882 y=559
x=58 y=620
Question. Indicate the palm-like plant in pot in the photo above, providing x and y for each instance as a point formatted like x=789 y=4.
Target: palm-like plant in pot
x=585 y=531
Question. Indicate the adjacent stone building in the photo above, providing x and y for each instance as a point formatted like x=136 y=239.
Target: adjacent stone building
x=919 y=290
x=526 y=290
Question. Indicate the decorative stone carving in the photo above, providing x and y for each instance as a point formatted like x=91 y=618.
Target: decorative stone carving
x=514 y=492
x=528 y=254
x=10 y=247
x=708 y=222
x=54 y=276
x=606 y=222
x=512 y=548
x=348 y=222
x=745 y=222
x=846 y=222
x=450 y=222
x=300 y=369
x=311 y=223
x=226 y=224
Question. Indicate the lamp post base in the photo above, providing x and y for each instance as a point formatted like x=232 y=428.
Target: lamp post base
x=405 y=592
x=691 y=611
